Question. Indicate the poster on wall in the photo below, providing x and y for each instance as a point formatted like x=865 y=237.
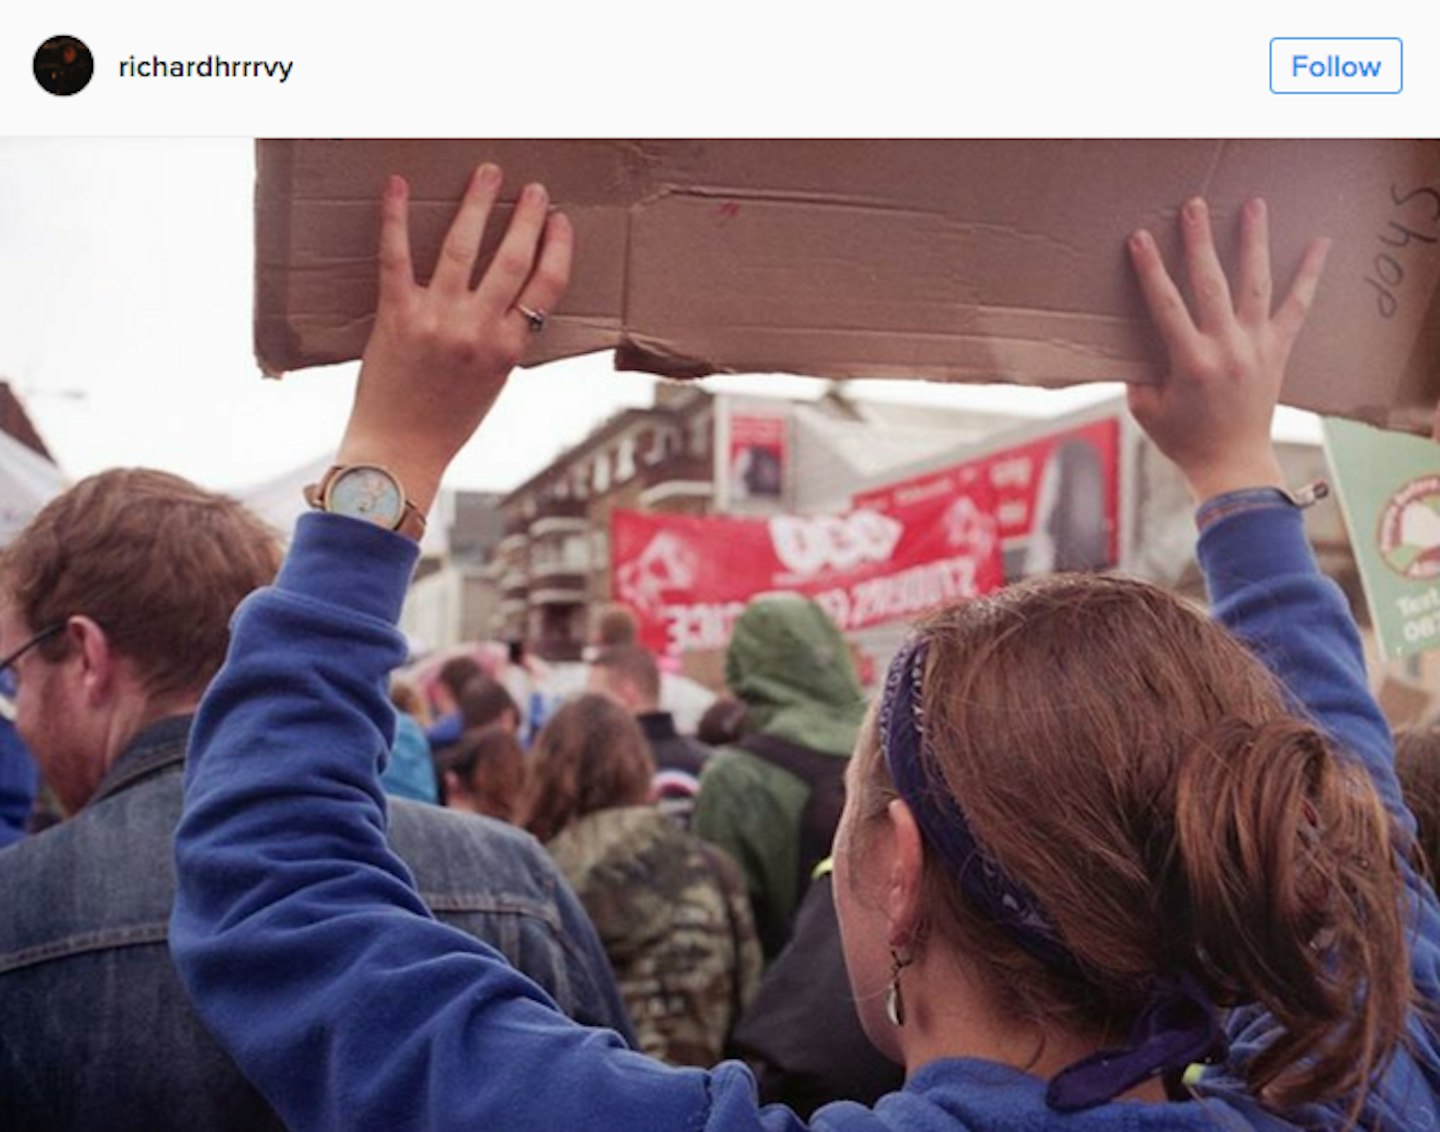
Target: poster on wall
x=1056 y=498
x=687 y=578
x=756 y=462
x=1389 y=490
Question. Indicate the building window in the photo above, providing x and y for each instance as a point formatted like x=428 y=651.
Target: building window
x=573 y=556
x=625 y=460
x=700 y=436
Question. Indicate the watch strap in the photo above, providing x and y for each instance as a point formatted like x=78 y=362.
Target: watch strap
x=1258 y=498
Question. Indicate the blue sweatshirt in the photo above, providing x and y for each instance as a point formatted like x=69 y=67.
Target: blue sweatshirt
x=308 y=953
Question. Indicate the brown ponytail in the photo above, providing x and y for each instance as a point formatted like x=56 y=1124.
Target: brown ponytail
x=1292 y=890
x=1136 y=769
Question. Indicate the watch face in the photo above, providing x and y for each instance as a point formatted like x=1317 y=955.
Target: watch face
x=366 y=493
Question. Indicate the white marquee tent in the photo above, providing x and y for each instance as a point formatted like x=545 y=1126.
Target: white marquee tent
x=28 y=481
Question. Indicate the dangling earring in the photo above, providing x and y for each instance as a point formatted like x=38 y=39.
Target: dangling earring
x=894 y=1000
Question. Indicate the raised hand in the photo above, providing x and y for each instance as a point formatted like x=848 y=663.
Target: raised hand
x=1212 y=410
x=440 y=354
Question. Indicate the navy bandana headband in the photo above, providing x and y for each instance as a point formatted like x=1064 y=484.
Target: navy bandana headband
x=1177 y=1025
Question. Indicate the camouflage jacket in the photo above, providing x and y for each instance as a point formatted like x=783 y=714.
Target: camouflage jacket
x=673 y=916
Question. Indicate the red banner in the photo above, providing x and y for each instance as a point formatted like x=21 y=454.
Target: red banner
x=1056 y=498
x=688 y=578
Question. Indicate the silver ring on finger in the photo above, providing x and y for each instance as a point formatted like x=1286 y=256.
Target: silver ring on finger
x=536 y=318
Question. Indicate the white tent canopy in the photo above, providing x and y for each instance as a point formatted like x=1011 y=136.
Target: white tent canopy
x=28 y=481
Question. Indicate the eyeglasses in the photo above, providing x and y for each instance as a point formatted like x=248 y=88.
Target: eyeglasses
x=7 y=678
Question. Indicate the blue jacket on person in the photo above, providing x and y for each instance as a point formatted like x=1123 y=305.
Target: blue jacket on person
x=284 y=871
x=19 y=779
x=96 y=1031
x=410 y=771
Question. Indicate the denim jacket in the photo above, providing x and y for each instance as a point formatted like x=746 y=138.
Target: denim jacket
x=95 y=1029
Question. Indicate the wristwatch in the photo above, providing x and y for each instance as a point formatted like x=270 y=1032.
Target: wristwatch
x=367 y=492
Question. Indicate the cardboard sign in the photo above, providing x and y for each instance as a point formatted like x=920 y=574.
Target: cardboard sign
x=949 y=260
x=1389 y=491
x=688 y=578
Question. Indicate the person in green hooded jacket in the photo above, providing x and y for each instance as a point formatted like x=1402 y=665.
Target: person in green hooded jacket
x=773 y=799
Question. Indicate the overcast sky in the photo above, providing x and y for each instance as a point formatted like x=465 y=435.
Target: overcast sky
x=125 y=287
x=125 y=292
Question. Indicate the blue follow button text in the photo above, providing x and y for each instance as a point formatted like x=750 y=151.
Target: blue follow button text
x=1332 y=65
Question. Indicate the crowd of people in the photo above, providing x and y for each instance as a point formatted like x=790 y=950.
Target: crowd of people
x=1088 y=858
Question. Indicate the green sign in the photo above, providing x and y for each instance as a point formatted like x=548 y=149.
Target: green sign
x=1389 y=489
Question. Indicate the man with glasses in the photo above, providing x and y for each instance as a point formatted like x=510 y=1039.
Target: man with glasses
x=114 y=615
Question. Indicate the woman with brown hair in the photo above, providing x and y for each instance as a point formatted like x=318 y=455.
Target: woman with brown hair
x=586 y=759
x=484 y=773
x=671 y=911
x=1089 y=842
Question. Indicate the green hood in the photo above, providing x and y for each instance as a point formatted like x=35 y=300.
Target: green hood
x=791 y=666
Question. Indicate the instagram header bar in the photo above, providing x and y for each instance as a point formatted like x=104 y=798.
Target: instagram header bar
x=744 y=69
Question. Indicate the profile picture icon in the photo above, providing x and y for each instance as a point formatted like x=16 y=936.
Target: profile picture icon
x=63 y=65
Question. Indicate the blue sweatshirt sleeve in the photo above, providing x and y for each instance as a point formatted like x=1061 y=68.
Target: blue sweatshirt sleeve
x=299 y=934
x=1266 y=587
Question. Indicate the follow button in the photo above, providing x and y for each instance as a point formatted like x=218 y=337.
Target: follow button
x=1337 y=66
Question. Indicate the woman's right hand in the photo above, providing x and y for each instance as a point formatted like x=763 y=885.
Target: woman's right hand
x=440 y=353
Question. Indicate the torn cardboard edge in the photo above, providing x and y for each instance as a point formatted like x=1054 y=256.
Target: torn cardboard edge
x=943 y=260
